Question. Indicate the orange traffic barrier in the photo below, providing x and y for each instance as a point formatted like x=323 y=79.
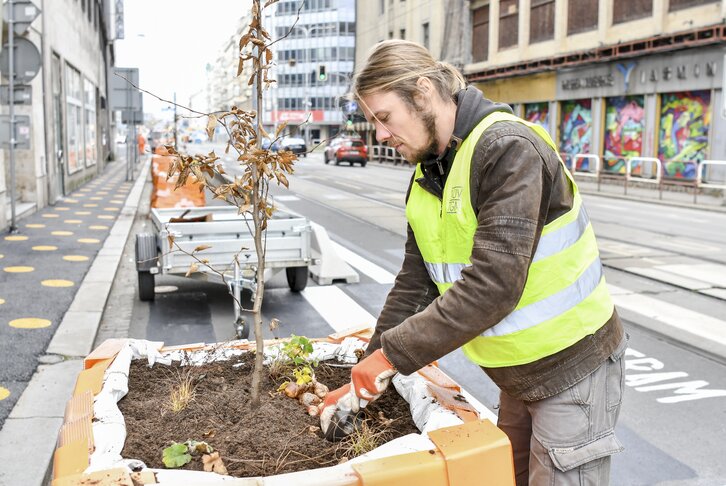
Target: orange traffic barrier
x=164 y=194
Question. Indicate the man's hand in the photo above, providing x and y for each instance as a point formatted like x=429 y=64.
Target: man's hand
x=371 y=377
x=344 y=399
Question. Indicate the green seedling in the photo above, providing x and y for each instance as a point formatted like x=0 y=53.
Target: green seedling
x=176 y=455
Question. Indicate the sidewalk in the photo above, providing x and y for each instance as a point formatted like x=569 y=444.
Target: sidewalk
x=58 y=272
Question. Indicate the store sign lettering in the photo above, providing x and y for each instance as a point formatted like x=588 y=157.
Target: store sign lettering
x=589 y=82
x=682 y=72
x=667 y=73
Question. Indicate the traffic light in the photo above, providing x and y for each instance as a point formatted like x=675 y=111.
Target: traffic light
x=349 y=122
x=322 y=75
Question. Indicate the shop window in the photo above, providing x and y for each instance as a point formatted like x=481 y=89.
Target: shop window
x=542 y=20
x=74 y=109
x=681 y=4
x=402 y=34
x=425 y=35
x=627 y=10
x=480 y=34
x=56 y=90
x=576 y=129
x=508 y=23
x=537 y=113
x=624 y=123
x=683 y=138
x=89 y=98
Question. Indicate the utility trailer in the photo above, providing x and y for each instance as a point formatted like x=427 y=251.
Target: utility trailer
x=230 y=253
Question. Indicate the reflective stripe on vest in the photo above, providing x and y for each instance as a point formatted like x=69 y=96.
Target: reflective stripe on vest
x=565 y=297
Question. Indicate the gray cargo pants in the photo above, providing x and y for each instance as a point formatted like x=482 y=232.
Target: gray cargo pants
x=567 y=439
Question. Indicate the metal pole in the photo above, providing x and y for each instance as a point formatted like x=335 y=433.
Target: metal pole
x=175 y=141
x=11 y=95
x=307 y=88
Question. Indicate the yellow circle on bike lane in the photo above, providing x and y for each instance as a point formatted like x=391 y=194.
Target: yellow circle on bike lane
x=61 y=233
x=73 y=221
x=98 y=227
x=4 y=393
x=35 y=225
x=57 y=283
x=2 y=301
x=83 y=213
x=50 y=215
x=29 y=323
x=19 y=269
x=105 y=216
x=45 y=248
x=88 y=240
x=16 y=238
x=75 y=258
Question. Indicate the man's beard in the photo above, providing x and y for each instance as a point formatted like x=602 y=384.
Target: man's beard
x=431 y=150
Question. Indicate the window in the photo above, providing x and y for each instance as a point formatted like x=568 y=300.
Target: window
x=626 y=10
x=89 y=98
x=74 y=104
x=508 y=23
x=425 y=35
x=542 y=20
x=57 y=103
x=402 y=34
x=581 y=16
x=480 y=35
x=681 y=4
x=383 y=6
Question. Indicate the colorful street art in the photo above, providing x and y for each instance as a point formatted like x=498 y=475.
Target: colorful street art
x=537 y=113
x=685 y=119
x=624 y=120
x=576 y=129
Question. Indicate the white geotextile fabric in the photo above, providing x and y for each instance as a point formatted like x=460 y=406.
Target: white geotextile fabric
x=109 y=430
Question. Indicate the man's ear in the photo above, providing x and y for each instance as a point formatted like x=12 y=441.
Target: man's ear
x=425 y=91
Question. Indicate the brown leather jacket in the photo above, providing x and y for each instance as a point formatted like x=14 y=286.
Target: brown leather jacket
x=517 y=186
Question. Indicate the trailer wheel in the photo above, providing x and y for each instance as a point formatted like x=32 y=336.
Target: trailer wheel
x=297 y=278
x=146 y=286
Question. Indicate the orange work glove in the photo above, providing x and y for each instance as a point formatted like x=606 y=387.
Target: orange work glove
x=342 y=398
x=371 y=377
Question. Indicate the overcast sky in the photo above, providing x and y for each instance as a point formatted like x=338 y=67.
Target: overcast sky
x=171 y=42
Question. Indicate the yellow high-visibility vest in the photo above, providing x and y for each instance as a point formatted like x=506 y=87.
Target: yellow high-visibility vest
x=565 y=297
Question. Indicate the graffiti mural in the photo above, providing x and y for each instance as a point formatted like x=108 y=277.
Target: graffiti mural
x=537 y=113
x=685 y=119
x=576 y=129
x=624 y=120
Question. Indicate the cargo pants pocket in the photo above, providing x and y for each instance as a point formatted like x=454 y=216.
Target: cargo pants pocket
x=568 y=458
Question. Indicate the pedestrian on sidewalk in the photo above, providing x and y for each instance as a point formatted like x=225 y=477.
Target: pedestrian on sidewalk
x=141 y=141
x=500 y=260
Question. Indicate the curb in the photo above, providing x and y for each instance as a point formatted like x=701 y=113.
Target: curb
x=28 y=437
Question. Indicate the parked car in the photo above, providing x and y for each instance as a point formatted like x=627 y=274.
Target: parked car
x=330 y=149
x=266 y=144
x=294 y=145
x=351 y=150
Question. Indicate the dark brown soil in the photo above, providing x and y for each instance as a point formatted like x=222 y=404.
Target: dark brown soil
x=278 y=437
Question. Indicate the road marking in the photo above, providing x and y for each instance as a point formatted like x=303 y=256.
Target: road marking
x=683 y=391
x=712 y=273
x=337 y=308
x=287 y=198
x=688 y=245
x=29 y=323
x=380 y=275
x=700 y=325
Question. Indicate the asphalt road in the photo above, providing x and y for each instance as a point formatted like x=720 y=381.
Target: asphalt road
x=665 y=266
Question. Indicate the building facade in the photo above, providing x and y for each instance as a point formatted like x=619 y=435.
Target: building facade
x=314 y=54
x=615 y=78
x=70 y=122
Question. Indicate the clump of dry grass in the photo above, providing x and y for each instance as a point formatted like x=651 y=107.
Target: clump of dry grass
x=182 y=391
x=366 y=436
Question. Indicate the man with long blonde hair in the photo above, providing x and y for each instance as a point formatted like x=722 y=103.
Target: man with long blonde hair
x=500 y=260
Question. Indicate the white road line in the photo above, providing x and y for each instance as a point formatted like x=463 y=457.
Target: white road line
x=287 y=198
x=337 y=308
x=380 y=275
x=700 y=325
